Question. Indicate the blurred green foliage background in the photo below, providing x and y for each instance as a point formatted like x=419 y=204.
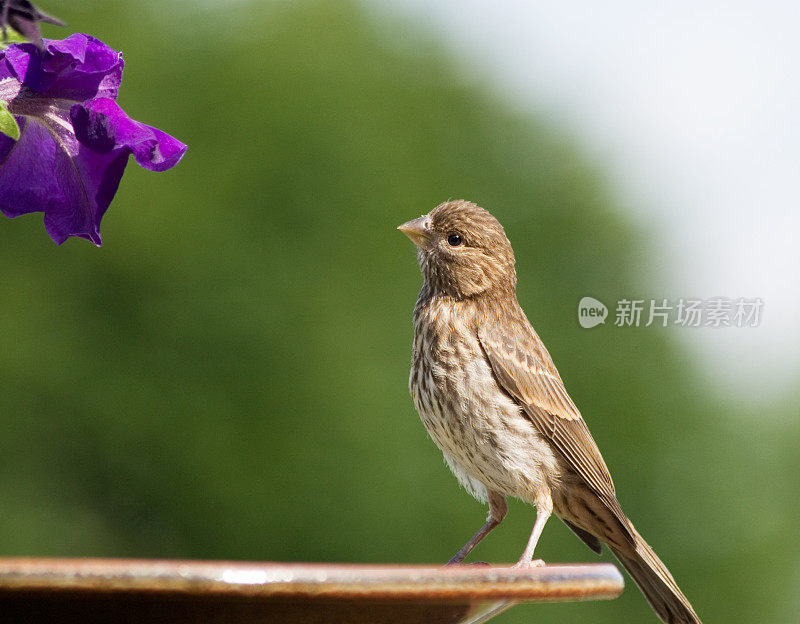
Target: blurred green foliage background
x=227 y=376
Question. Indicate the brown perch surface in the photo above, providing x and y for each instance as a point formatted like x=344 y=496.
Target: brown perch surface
x=98 y=590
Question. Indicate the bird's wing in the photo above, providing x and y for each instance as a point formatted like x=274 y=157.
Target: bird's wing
x=525 y=370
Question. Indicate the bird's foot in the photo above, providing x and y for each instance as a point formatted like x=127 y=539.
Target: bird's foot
x=535 y=563
x=453 y=562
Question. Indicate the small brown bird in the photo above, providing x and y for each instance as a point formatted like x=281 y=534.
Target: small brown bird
x=492 y=400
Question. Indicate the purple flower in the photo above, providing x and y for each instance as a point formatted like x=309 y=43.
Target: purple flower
x=74 y=139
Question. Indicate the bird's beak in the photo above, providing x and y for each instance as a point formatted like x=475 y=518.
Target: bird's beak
x=418 y=230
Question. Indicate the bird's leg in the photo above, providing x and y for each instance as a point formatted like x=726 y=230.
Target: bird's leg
x=544 y=507
x=497 y=511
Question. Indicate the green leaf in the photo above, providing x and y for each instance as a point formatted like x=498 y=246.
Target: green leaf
x=8 y=125
x=11 y=36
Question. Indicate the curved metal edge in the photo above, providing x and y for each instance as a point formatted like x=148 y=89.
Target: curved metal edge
x=307 y=581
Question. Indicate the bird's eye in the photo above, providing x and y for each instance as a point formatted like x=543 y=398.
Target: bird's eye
x=454 y=240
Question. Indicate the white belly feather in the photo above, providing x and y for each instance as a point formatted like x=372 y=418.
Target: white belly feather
x=486 y=439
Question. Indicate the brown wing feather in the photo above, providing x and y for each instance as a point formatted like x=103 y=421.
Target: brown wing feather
x=526 y=371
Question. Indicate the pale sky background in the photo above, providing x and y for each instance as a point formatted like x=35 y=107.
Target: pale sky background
x=693 y=111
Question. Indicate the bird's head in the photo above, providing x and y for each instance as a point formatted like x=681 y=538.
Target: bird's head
x=463 y=250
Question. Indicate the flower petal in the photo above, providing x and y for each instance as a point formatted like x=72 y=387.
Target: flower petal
x=79 y=67
x=72 y=184
x=74 y=139
x=103 y=126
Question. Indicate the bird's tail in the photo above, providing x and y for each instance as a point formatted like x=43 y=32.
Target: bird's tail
x=656 y=583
